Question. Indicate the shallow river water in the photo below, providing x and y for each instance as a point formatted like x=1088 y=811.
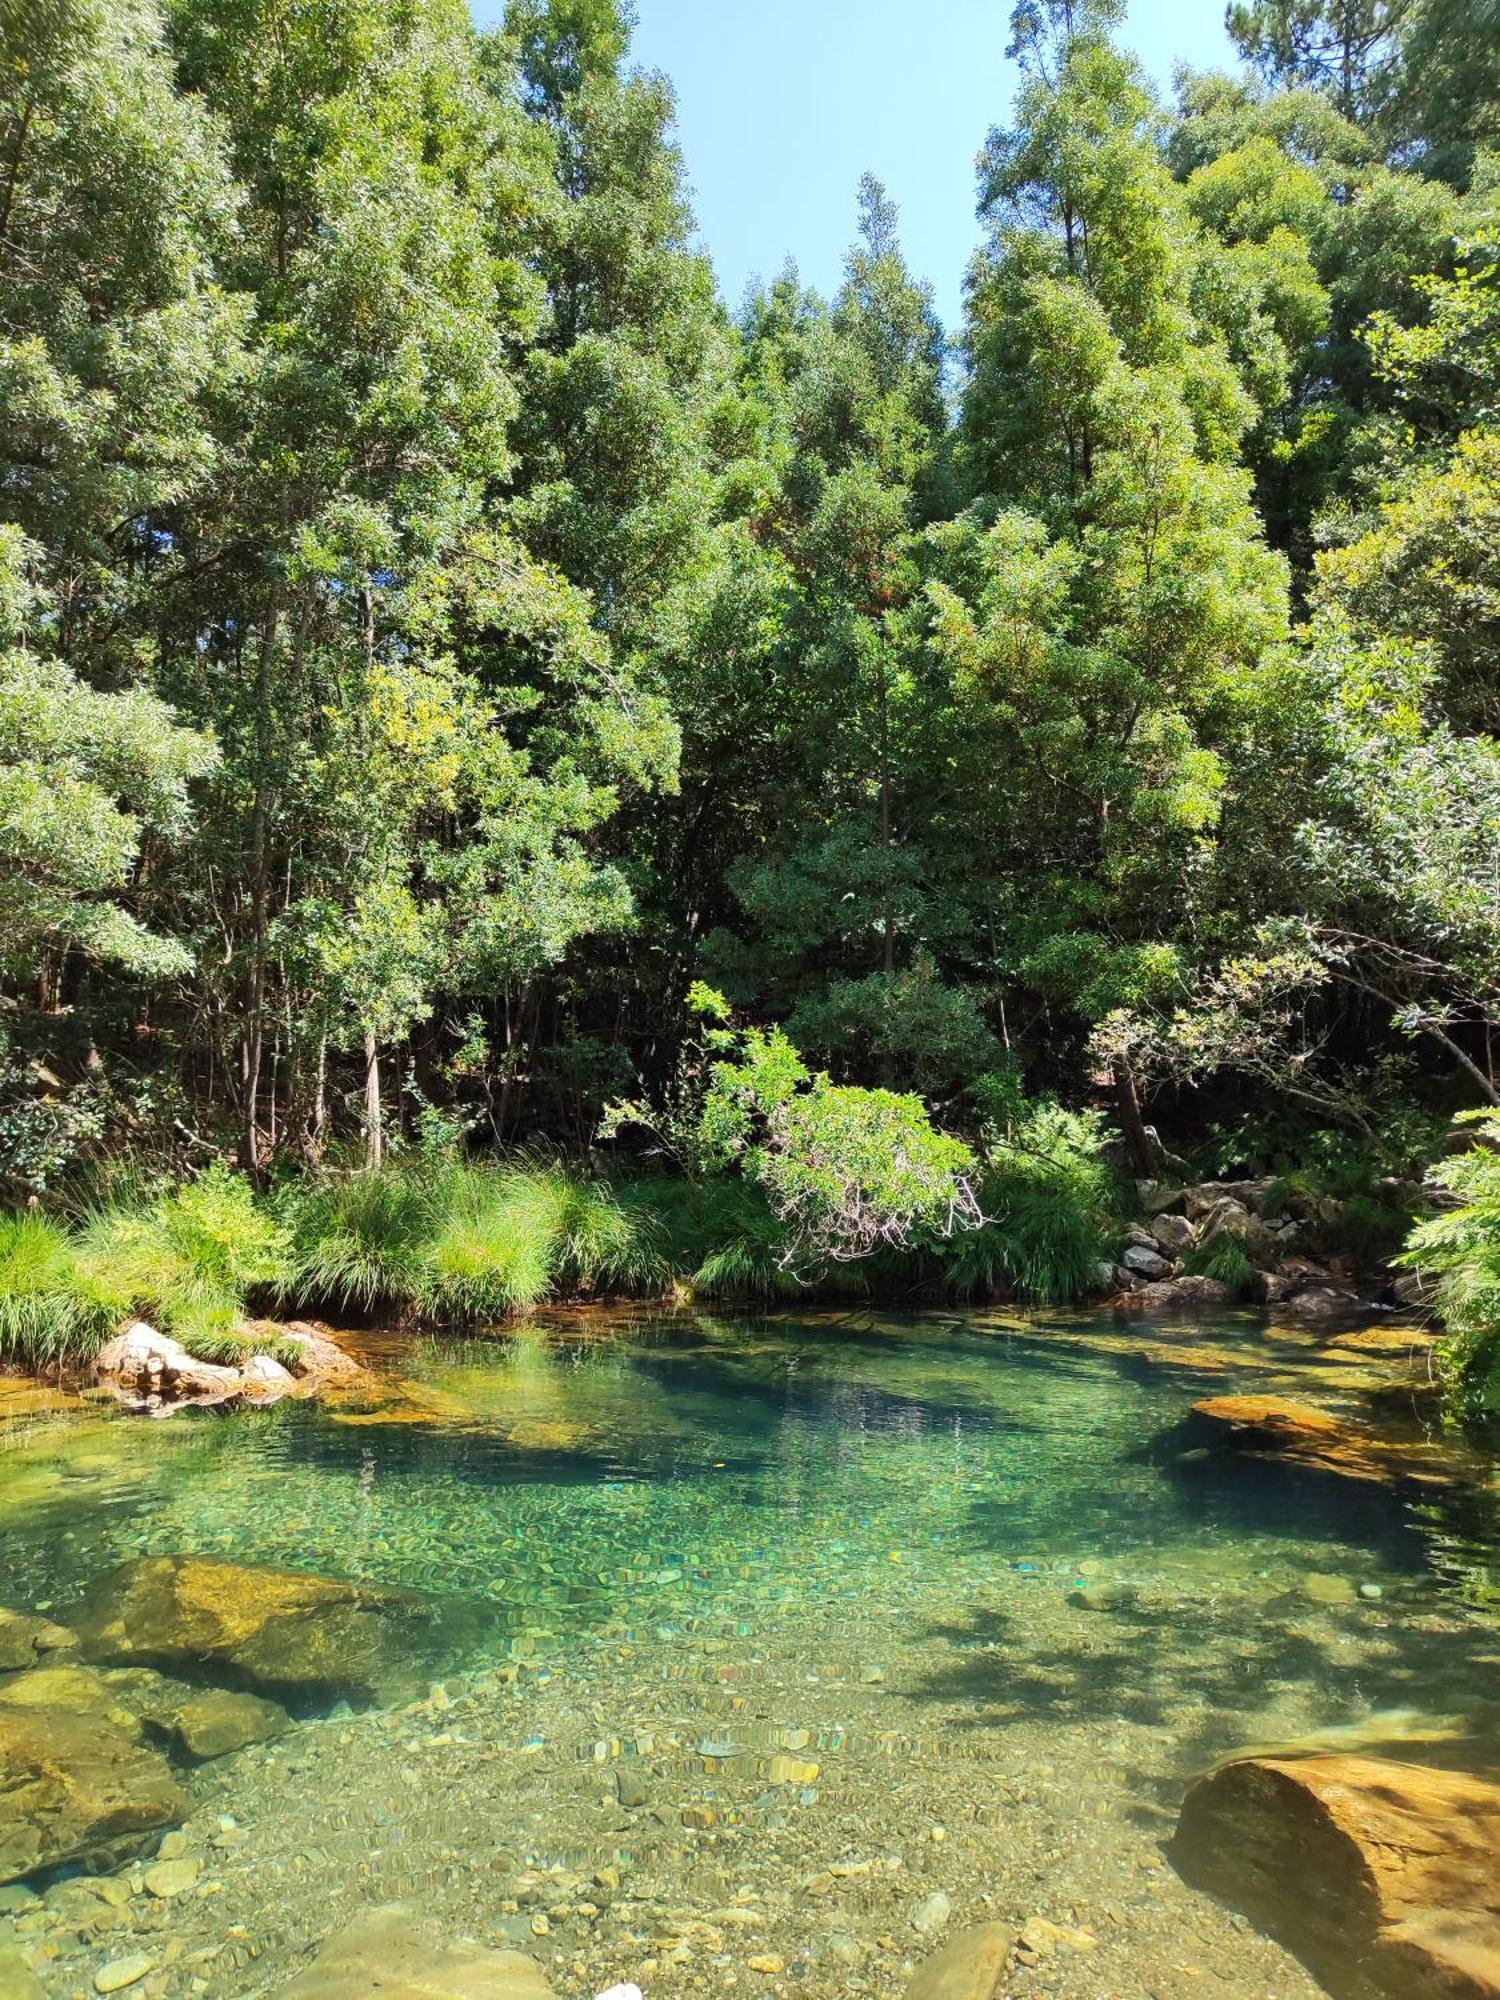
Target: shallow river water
x=791 y=1645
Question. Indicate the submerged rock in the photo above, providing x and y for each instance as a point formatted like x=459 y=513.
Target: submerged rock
x=73 y=1784
x=216 y=1722
x=28 y=1642
x=969 y=1967
x=1279 y=1427
x=391 y=1951
x=1384 y=1877
x=286 y=1633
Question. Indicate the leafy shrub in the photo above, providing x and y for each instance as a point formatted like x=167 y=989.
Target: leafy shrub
x=1461 y=1249
x=1051 y=1203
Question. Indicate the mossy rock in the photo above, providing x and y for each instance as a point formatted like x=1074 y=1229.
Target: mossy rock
x=75 y=1785
x=300 y=1638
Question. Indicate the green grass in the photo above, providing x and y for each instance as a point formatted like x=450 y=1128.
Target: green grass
x=449 y=1241
x=55 y=1309
x=357 y=1242
x=1223 y=1258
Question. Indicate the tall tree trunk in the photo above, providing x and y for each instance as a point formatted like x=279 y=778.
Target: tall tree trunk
x=1139 y=1149
x=374 y=1129
x=260 y=885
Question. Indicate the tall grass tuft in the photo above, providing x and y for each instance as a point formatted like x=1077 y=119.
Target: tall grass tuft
x=357 y=1243
x=189 y=1259
x=1050 y=1200
x=54 y=1310
x=1224 y=1258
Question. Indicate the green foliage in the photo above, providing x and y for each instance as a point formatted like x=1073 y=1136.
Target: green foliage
x=434 y=635
x=191 y=1257
x=1223 y=1258
x=56 y=1307
x=358 y=1239
x=1051 y=1204
x=1460 y=1247
x=845 y=1171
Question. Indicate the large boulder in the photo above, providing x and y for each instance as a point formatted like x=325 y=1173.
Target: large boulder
x=391 y=1951
x=148 y=1370
x=145 y=1368
x=300 y=1638
x=74 y=1785
x=1384 y=1877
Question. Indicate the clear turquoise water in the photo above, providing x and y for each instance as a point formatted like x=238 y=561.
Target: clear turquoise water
x=895 y=1511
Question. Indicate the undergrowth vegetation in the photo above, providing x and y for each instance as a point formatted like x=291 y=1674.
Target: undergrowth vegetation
x=449 y=1241
x=1460 y=1248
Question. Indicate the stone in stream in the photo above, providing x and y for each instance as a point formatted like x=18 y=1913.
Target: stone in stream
x=17 y=1980
x=216 y=1721
x=1383 y=1876
x=75 y=1785
x=932 y=1913
x=123 y=1972
x=970 y=1966
x=173 y=1878
x=630 y=1788
x=1192 y=1292
x=30 y=1642
x=286 y=1633
x=393 y=1952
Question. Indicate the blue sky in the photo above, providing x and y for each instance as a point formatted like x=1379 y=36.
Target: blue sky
x=783 y=104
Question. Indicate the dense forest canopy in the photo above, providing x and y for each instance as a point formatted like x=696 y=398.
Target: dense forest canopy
x=435 y=633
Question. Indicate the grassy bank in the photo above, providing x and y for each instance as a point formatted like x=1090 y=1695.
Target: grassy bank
x=445 y=1241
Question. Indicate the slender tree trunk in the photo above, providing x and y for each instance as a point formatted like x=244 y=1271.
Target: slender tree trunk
x=888 y=941
x=320 y=1103
x=260 y=886
x=374 y=1129
x=1139 y=1150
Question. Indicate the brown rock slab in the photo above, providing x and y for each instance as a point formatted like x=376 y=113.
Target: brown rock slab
x=1280 y=1427
x=70 y=1784
x=286 y=1633
x=1384 y=1877
x=393 y=1952
x=970 y=1966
